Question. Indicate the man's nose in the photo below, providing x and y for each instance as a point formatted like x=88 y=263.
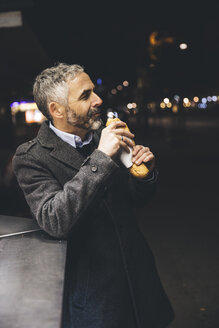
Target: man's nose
x=96 y=101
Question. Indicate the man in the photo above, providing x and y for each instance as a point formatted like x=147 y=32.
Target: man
x=78 y=190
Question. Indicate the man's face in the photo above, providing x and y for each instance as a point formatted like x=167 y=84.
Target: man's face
x=82 y=110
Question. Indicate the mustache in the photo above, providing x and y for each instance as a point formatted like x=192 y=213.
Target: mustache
x=94 y=111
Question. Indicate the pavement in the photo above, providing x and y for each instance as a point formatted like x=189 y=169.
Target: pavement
x=181 y=223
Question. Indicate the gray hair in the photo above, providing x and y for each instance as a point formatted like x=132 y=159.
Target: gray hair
x=52 y=85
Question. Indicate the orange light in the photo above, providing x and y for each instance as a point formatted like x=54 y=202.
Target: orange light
x=125 y=83
x=29 y=116
x=175 y=108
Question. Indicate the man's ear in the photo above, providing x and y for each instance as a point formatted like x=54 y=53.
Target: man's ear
x=56 y=110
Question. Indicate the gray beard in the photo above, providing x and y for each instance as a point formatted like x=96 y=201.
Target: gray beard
x=86 y=123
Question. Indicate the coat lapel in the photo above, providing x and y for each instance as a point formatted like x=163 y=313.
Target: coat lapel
x=67 y=155
x=60 y=150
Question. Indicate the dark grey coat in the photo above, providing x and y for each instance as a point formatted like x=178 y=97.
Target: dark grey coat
x=111 y=278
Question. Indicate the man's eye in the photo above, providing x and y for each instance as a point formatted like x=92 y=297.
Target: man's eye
x=86 y=96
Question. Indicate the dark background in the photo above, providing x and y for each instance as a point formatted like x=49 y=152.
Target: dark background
x=111 y=40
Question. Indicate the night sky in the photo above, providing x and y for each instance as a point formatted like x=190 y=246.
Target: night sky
x=111 y=40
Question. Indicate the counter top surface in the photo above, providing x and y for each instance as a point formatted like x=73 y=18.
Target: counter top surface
x=32 y=269
x=11 y=225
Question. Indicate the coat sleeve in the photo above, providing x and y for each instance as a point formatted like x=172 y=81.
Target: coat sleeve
x=142 y=190
x=57 y=208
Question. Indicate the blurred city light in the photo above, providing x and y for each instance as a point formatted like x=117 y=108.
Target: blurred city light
x=202 y=105
x=183 y=46
x=187 y=103
x=15 y=104
x=175 y=108
x=11 y=19
x=29 y=116
x=177 y=98
x=114 y=91
x=125 y=83
x=99 y=81
x=23 y=106
x=32 y=113
x=32 y=116
x=166 y=100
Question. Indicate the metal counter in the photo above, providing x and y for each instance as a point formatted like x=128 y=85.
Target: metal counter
x=32 y=269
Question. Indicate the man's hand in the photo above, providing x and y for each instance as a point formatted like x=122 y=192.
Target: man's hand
x=113 y=137
x=143 y=154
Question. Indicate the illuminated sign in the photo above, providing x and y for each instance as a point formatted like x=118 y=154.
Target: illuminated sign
x=32 y=113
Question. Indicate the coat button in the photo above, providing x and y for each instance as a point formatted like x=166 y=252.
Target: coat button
x=94 y=168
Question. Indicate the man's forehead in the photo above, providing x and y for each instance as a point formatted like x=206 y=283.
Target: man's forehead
x=81 y=82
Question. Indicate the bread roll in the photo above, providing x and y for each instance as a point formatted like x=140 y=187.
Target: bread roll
x=139 y=171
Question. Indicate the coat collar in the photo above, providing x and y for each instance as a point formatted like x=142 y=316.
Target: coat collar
x=60 y=150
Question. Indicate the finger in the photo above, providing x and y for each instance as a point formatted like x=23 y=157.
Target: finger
x=148 y=155
x=144 y=158
x=139 y=147
x=136 y=149
x=125 y=146
x=140 y=160
x=148 y=158
x=124 y=133
x=139 y=154
x=116 y=125
x=128 y=141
